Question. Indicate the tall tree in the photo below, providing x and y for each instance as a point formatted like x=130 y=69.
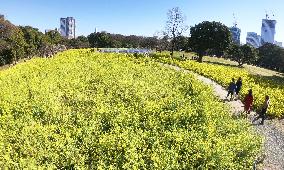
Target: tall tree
x=213 y=36
x=175 y=26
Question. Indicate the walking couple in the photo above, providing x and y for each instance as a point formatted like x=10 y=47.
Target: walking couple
x=235 y=88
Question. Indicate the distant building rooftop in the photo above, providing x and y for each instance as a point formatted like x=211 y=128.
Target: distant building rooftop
x=268 y=23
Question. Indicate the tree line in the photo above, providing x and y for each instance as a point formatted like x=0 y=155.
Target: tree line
x=206 y=38
x=20 y=42
x=215 y=39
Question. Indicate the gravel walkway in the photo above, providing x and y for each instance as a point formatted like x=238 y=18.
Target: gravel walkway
x=272 y=130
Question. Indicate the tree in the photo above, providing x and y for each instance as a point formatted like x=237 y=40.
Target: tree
x=250 y=54
x=12 y=42
x=149 y=42
x=242 y=54
x=34 y=40
x=79 y=42
x=175 y=26
x=54 y=37
x=271 y=56
x=104 y=40
x=181 y=43
x=100 y=40
x=132 y=41
x=162 y=41
x=235 y=53
x=213 y=36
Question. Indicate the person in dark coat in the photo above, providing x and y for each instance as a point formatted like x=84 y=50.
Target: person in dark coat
x=263 y=110
x=239 y=84
x=232 y=89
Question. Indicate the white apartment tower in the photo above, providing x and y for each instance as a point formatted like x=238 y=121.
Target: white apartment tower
x=268 y=31
x=67 y=27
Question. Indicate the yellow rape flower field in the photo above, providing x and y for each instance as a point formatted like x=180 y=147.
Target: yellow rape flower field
x=87 y=110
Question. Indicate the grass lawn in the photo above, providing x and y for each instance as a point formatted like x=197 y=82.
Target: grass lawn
x=266 y=73
x=251 y=69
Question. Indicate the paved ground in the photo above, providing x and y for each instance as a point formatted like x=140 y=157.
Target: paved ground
x=272 y=130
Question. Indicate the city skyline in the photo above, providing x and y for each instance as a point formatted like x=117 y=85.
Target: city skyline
x=142 y=18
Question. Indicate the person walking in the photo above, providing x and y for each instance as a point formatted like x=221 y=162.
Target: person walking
x=263 y=110
x=248 y=101
x=231 y=89
x=239 y=84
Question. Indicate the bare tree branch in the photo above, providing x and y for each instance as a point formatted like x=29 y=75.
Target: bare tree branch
x=175 y=25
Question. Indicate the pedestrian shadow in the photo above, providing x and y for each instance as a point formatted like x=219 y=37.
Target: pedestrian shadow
x=256 y=121
x=239 y=115
x=226 y=100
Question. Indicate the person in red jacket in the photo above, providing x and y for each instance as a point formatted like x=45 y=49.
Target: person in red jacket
x=248 y=101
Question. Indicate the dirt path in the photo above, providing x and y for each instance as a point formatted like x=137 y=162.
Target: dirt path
x=273 y=157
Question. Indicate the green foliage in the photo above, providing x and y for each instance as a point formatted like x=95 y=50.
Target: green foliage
x=250 y=54
x=100 y=40
x=34 y=40
x=12 y=42
x=107 y=40
x=77 y=43
x=54 y=37
x=81 y=42
x=83 y=110
x=182 y=43
x=212 y=36
x=242 y=54
x=271 y=56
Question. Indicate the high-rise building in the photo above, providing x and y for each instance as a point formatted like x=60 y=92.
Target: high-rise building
x=236 y=34
x=268 y=31
x=253 y=39
x=67 y=27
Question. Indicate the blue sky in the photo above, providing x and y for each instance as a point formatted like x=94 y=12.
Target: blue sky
x=141 y=17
